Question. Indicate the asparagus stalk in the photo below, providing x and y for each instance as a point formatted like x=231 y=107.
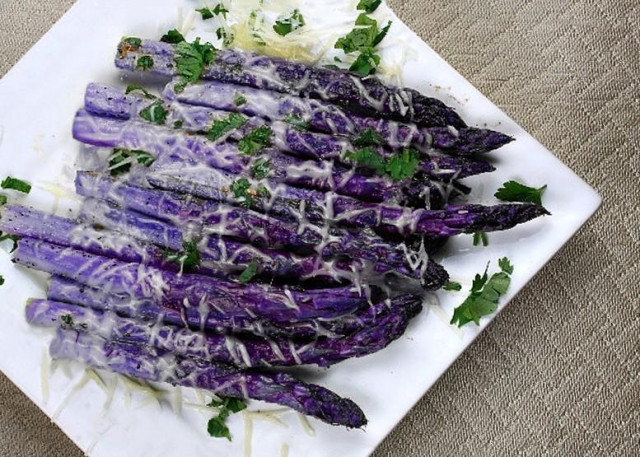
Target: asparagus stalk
x=369 y=95
x=206 y=294
x=241 y=351
x=149 y=364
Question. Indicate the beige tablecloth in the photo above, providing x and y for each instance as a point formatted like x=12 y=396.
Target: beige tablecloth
x=557 y=373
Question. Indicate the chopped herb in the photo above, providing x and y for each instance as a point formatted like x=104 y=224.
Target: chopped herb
x=239 y=100
x=369 y=5
x=1 y=280
x=368 y=138
x=484 y=296
x=369 y=158
x=144 y=63
x=480 y=238
x=121 y=159
x=226 y=37
x=67 y=319
x=286 y=25
x=177 y=124
x=225 y=125
x=366 y=63
x=14 y=238
x=206 y=13
x=403 y=166
x=249 y=272
x=173 y=37
x=134 y=42
x=220 y=9
x=255 y=140
x=191 y=58
x=260 y=168
x=363 y=39
x=155 y=113
x=240 y=189
x=513 y=191
x=452 y=285
x=383 y=33
x=188 y=258
x=3 y=199
x=216 y=426
x=137 y=87
x=297 y=122
x=16 y=184
x=252 y=23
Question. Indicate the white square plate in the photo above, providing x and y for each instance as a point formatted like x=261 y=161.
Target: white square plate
x=39 y=98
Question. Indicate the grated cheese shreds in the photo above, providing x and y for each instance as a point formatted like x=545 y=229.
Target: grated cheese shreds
x=44 y=376
x=267 y=416
x=284 y=450
x=248 y=435
x=308 y=429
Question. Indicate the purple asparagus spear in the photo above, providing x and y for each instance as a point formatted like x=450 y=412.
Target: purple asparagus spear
x=206 y=294
x=241 y=351
x=152 y=365
x=361 y=95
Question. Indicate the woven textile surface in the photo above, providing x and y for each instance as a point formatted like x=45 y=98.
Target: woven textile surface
x=558 y=372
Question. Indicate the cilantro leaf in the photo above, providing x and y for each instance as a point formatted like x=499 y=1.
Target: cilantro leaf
x=144 y=63
x=188 y=258
x=225 y=125
x=480 y=238
x=206 y=13
x=297 y=122
x=452 y=285
x=369 y=158
x=255 y=140
x=155 y=113
x=121 y=159
x=133 y=42
x=137 y=87
x=16 y=184
x=369 y=5
x=286 y=25
x=260 y=168
x=505 y=265
x=235 y=405
x=359 y=38
x=249 y=272
x=513 y=191
x=239 y=100
x=403 y=166
x=191 y=58
x=366 y=63
x=240 y=189
x=172 y=36
x=218 y=429
x=484 y=296
x=367 y=138
x=3 y=199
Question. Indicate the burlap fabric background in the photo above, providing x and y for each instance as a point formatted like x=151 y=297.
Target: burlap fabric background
x=557 y=373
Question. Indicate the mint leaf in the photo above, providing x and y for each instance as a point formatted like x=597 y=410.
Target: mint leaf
x=16 y=184
x=286 y=25
x=513 y=191
x=155 y=113
x=451 y=285
x=173 y=37
x=225 y=125
x=144 y=63
x=369 y=5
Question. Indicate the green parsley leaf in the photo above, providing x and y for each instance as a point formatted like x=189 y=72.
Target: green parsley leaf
x=1 y=280
x=144 y=63
x=369 y=158
x=249 y=272
x=369 y=5
x=188 y=258
x=191 y=58
x=155 y=113
x=121 y=160
x=260 y=168
x=366 y=63
x=513 y=191
x=484 y=296
x=226 y=37
x=218 y=429
x=403 y=166
x=3 y=199
x=178 y=124
x=134 y=42
x=239 y=100
x=286 y=25
x=225 y=125
x=234 y=405
x=255 y=140
x=368 y=138
x=359 y=38
x=452 y=285
x=297 y=122
x=383 y=33
x=137 y=87
x=16 y=184
x=206 y=13
x=172 y=36
x=505 y=265
x=480 y=238
x=220 y=9
x=240 y=189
